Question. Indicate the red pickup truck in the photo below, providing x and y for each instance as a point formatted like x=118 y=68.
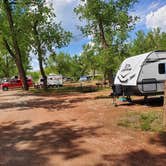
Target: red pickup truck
x=14 y=83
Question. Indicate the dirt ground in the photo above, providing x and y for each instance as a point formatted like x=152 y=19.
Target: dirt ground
x=74 y=130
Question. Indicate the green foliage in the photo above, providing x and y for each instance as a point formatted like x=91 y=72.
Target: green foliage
x=78 y=68
x=153 y=40
x=45 y=32
x=60 y=63
x=70 y=66
x=90 y=59
x=146 y=121
x=7 y=65
x=95 y=10
x=35 y=75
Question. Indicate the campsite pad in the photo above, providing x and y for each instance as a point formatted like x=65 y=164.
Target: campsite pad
x=73 y=130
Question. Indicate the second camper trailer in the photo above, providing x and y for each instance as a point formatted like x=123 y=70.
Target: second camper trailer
x=53 y=80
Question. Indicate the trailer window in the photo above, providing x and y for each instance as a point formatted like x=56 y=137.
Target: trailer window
x=162 y=68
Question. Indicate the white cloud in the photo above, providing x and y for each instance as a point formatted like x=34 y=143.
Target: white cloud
x=157 y=19
x=153 y=6
x=65 y=14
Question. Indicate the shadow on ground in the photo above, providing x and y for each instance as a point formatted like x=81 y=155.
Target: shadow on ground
x=33 y=146
x=137 y=158
x=47 y=103
x=151 y=102
x=160 y=139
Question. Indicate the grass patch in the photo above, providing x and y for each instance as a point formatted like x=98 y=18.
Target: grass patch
x=146 y=121
x=67 y=89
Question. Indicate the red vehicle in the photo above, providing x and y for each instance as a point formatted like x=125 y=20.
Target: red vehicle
x=14 y=83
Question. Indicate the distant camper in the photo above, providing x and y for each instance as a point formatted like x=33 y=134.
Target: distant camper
x=53 y=80
x=142 y=75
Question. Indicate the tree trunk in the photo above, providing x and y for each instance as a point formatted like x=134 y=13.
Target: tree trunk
x=102 y=35
x=105 y=76
x=17 y=55
x=94 y=73
x=164 y=106
x=110 y=76
x=22 y=74
x=40 y=57
x=42 y=71
x=103 y=42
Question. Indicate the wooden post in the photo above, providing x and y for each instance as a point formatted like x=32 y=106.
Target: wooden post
x=164 y=107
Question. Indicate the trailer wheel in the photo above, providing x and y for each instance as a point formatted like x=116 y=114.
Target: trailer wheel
x=48 y=86
x=129 y=99
x=5 y=88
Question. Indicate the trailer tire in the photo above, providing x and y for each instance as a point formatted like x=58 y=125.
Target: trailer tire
x=49 y=86
x=5 y=88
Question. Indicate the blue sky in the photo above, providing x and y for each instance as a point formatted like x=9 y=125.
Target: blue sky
x=152 y=14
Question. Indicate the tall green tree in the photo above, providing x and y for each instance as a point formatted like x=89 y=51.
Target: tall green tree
x=78 y=67
x=10 y=35
x=90 y=59
x=108 y=23
x=46 y=35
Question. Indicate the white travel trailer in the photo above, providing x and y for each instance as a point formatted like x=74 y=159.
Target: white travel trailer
x=141 y=75
x=53 y=80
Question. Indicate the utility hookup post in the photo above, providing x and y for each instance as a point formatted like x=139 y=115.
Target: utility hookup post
x=164 y=107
